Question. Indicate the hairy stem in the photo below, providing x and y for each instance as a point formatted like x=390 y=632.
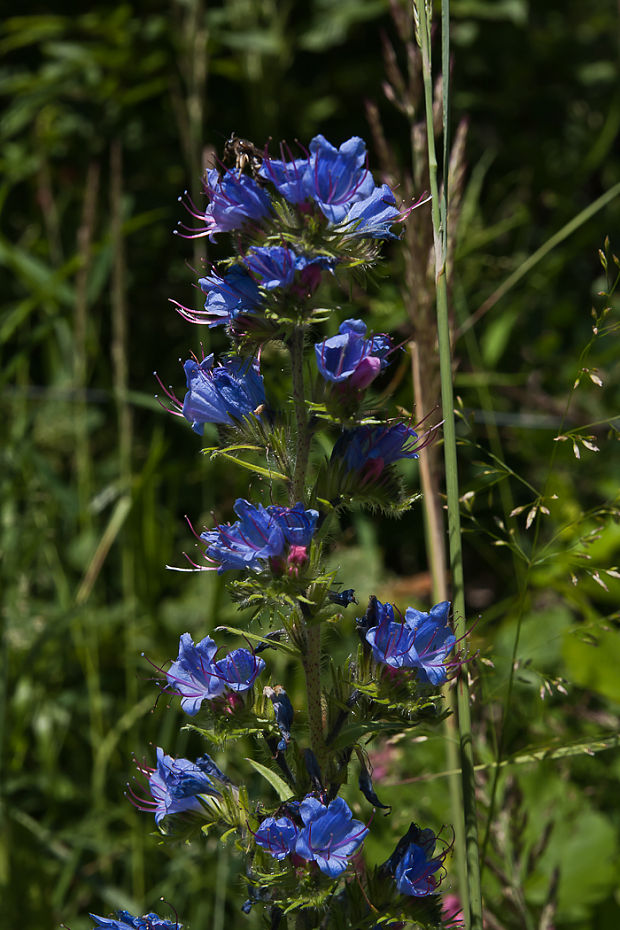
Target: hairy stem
x=302 y=439
x=312 y=657
x=312 y=672
x=454 y=521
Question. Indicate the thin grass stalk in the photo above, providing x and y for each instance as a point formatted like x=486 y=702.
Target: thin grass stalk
x=435 y=539
x=120 y=367
x=85 y=233
x=439 y=212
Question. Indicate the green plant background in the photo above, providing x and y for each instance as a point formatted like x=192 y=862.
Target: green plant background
x=108 y=116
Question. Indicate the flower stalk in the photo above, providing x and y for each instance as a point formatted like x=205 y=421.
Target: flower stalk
x=473 y=907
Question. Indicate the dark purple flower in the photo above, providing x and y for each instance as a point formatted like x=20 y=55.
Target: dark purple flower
x=233 y=200
x=193 y=675
x=239 y=669
x=283 y=712
x=261 y=533
x=330 y=836
x=413 y=865
x=233 y=389
x=370 y=448
x=278 y=837
x=126 y=921
x=351 y=357
x=175 y=785
x=337 y=178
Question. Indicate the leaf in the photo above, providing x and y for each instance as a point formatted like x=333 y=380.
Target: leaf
x=254 y=637
x=258 y=469
x=278 y=784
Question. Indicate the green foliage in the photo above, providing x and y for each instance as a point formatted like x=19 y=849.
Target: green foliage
x=85 y=540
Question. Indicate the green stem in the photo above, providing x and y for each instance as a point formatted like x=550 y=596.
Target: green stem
x=312 y=656
x=302 y=439
x=312 y=671
x=454 y=520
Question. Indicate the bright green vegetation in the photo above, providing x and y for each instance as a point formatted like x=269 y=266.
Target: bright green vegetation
x=105 y=118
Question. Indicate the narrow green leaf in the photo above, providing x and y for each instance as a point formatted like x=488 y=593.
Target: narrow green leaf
x=258 y=469
x=254 y=637
x=281 y=788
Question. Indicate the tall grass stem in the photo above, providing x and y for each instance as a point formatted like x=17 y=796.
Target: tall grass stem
x=439 y=213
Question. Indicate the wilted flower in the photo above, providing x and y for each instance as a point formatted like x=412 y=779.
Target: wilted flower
x=260 y=534
x=175 y=785
x=126 y=921
x=239 y=669
x=278 y=837
x=217 y=395
x=413 y=865
x=330 y=836
x=194 y=675
x=351 y=357
x=283 y=711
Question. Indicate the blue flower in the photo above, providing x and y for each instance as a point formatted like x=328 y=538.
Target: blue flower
x=392 y=644
x=412 y=863
x=297 y=524
x=228 y=297
x=194 y=675
x=370 y=448
x=239 y=669
x=351 y=357
x=432 y=641
x=276 y=266
x=175 y=784
x=330 y=836
x=127 y=921
x=422 y=641
x=234 y=199
x=261 y=533
x=374 y=215
x=216 y=395
x=337 y=178
x=286 y=176
x=278 y=837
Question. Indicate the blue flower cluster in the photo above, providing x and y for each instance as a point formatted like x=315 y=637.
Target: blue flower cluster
x=338 y=181
x=327 y=835
x=260 y=535
x=197 y=677
x=126 y=921
x=421 y=640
